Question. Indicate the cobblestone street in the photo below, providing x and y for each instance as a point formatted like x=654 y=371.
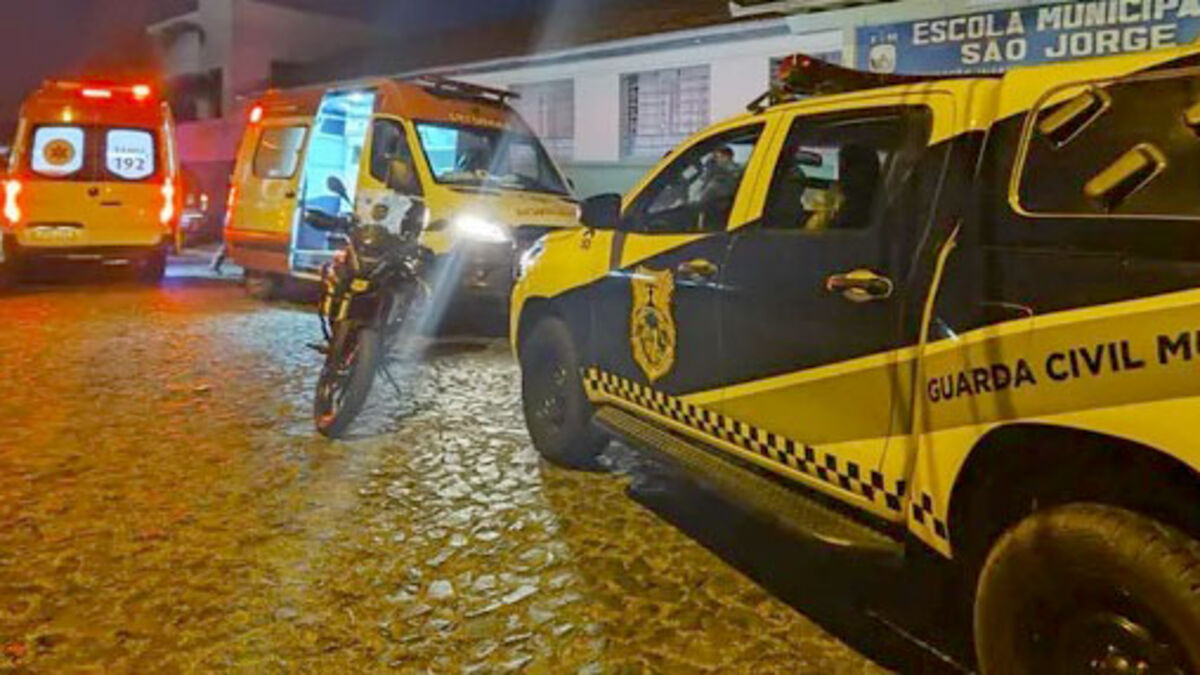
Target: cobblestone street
x=165 y=505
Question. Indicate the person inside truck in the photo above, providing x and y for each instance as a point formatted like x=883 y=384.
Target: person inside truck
x=847 y=203
x=719 y=185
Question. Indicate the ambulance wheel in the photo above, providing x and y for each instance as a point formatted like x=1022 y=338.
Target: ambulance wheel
x=8 y=273
x=557 y=412
x=154 y=267
x=1086 y=588
x=10 y=266
x=262 y=285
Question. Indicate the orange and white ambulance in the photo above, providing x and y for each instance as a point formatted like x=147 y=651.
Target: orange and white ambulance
x=93 y=176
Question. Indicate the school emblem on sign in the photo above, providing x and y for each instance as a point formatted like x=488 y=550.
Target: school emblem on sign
x=59 y=152
x=652 y=326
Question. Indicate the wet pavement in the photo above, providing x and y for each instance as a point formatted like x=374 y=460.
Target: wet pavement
x=165 y=506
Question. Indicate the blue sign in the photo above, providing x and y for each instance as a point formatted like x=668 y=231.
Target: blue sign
x=996 y=40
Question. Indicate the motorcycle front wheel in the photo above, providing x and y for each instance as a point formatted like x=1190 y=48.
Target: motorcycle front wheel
x=346 y=378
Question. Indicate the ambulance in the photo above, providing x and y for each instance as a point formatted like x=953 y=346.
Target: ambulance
x=93 y=177
x=938 y=322
x=453 y=155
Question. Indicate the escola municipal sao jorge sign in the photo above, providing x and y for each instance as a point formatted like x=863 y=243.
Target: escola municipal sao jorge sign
x=996 y=40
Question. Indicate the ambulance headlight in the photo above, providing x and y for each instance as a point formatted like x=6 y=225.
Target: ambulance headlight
x=530 y=257
x=480 y=229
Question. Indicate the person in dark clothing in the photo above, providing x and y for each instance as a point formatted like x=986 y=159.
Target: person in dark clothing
x=719 y=186
x=859 y=173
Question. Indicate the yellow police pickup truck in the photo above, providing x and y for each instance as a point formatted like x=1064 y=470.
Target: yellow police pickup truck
x=956 y=314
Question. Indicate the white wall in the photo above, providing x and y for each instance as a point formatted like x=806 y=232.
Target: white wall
x=739 y=72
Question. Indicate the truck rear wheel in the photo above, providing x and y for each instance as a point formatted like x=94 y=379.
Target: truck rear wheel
x=1086 y=588
x=557 y=412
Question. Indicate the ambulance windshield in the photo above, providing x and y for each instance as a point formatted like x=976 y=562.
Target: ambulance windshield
x=488 y=157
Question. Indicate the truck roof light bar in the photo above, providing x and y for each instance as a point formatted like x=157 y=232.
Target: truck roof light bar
x=801 y=76
x=445 y=85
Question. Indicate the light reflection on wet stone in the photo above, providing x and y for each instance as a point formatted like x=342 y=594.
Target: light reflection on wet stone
x=165 y=506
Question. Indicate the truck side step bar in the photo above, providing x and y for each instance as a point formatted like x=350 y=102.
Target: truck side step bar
x=790 y=508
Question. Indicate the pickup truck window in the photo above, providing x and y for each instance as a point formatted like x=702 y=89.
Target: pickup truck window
x=696 y=192
x=831 y=171
x=1114 y=149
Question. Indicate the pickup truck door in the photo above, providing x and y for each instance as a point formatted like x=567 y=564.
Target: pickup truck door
x=655 y=313
x=817 y=305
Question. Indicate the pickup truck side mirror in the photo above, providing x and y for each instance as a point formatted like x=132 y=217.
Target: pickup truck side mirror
x=602 y=212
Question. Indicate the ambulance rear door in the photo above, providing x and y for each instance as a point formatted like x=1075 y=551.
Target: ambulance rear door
x=266 y=192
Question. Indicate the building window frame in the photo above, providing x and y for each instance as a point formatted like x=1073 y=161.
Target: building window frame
x=663 y=107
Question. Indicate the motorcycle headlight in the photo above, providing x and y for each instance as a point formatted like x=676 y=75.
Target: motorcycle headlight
x=530 y=257
x=479 y=229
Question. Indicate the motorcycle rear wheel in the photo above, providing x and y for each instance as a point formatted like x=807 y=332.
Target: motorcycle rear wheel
x=346 y=378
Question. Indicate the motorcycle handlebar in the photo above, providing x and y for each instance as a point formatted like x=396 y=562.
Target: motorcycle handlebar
x=326 y=222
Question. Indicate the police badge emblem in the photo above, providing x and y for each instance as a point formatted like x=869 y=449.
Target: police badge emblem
x=652 y=326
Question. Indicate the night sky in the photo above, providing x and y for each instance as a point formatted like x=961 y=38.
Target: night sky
x=60 y=38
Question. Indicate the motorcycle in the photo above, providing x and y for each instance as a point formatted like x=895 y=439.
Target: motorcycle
x=370 y=294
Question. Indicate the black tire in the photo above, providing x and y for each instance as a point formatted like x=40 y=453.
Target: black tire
x=10 y=273
x=558 y=413
x=1089 y=588
x=346 y=378
x=154 y=267
x=262 y=285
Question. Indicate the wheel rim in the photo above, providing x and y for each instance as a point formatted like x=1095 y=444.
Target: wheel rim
x=550 y=403
x=1115 y=642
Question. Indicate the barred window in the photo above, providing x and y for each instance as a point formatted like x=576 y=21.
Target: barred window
x=662 y=108
x=549 y=109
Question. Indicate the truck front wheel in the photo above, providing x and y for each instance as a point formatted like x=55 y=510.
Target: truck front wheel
x=1087 y=588
x=557 y=412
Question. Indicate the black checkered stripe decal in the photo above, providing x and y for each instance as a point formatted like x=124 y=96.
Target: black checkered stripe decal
x=804 y=458
x=924 y=514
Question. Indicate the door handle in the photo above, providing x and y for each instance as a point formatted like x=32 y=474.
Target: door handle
x=860 y=286
x=698 y=270
x=290 y=194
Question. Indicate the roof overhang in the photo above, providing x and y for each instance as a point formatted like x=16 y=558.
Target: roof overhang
x=742 y=8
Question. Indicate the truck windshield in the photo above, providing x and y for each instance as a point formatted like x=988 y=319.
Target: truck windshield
x=487 y=157
x=93 y=154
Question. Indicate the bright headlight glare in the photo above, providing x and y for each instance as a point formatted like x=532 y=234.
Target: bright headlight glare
x=479 y=229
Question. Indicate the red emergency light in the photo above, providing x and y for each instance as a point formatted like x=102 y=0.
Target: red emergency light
x=97 y=91
x=256 y=114
x=12 y=210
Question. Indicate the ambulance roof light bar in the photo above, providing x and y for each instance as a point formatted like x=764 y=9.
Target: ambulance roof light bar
x=451 y=87
x=801 y=76
x=101 y=91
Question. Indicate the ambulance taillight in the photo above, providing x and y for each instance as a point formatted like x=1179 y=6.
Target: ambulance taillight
x=167 y=215
x=230 y=204
x=12 y=209
x=256 y=114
